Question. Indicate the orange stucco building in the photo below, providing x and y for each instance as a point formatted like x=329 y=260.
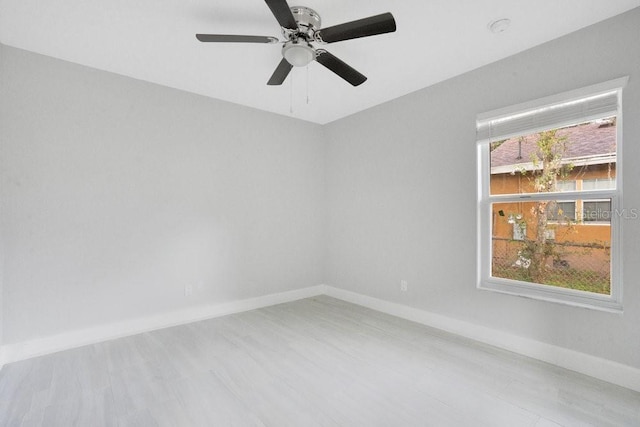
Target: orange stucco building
x=578 y=224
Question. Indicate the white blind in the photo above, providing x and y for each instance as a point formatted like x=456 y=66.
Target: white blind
x=551 y=113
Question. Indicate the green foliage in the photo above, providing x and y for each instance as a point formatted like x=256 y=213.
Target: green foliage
x=571 y=278
x=549 y=167
x=548 y=161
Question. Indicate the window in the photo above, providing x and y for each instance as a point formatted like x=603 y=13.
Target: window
x=598 y=184
x=549 y=191
x=596 y=211
x=562 y=211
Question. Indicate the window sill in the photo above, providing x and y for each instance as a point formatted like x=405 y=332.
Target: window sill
x=553 y=294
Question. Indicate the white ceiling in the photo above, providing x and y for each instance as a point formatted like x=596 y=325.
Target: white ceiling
x=154 y=40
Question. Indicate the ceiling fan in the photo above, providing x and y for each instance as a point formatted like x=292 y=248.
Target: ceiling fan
x=301 y=28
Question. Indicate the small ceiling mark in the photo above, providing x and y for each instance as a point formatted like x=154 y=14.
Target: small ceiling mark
x=499 y=25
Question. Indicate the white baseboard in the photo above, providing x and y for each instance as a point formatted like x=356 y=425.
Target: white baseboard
x=606 y=370
x=72 y=339
x=613 y=372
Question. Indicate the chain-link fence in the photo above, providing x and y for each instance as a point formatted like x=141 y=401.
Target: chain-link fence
x=582 y=266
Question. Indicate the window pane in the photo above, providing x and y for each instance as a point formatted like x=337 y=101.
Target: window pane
x=552 y=161
x=598 y=184
x=555 y=253
x=565 y=185
x=561 y=211
x=596 y=211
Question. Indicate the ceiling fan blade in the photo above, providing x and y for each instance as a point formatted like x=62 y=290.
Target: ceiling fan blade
x=365 y=27
x=281 y=73
x=231 y=38
x=282 y=12
x=340 y=67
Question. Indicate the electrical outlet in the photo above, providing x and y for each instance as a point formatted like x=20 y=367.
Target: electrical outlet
x=188 y=290
x=404 y=286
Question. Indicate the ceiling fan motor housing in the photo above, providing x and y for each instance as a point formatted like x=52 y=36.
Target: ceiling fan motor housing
x=308 y=21
x=298 y=50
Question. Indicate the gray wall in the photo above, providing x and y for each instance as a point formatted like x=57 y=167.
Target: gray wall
x=117 y=193
x=3 y=87
x=402 y=191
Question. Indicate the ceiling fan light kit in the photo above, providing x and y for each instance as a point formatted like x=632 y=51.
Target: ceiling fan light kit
x=301 y=28
x=298 y=53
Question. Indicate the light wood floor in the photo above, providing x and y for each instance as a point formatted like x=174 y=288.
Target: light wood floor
x=314 y=362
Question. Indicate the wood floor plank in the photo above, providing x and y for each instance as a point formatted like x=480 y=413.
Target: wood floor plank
x=91 y=408
x=313 y=362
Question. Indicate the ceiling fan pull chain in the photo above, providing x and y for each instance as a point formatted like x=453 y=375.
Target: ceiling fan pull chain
x=307 y=84
x=291 y=95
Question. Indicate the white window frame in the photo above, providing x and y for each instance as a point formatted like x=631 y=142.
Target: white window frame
x=529 y=118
